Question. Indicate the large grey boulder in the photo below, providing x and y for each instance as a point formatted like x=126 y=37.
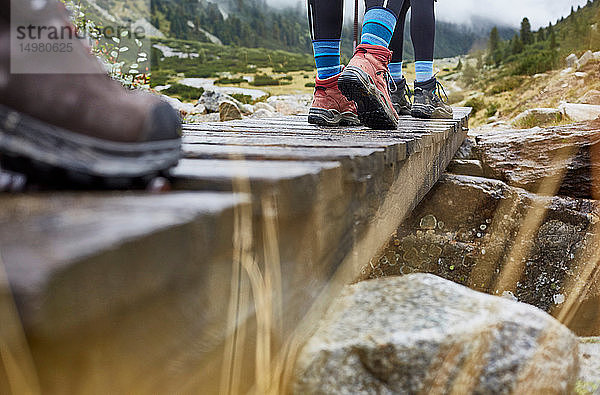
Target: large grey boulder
x=572 y=61
x=585 y=58
x=589 y=357
x=420 y=333
x=212 y=99
x=591 y=97
x=228 y=111
x=524 y=158
x=580 y=112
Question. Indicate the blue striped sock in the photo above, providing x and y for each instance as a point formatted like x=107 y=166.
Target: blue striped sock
x=327 y=57
x=396 y=71
x=378 y=27
x=424 y=70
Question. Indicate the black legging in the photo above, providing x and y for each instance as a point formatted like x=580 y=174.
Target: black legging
x=326 y=18
x=422 y=26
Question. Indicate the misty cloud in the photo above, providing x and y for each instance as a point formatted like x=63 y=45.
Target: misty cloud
x=506 y=12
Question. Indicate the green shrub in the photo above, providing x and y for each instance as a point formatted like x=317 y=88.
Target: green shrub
x=310 y=85
x=288 y=78
x=476 y=104
x=230 y=81
x=184 y=92
x=159 y=78
x=246 y=99
x=506 y=84
x=534 y=62
x=491 y=110
x=264 y=80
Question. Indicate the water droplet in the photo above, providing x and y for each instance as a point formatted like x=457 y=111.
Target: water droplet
x=478 y=234
x=509 y=295
x=559 y=298
x=441 y=224
x=483 y=251
x=483 y=227
x=429 y=222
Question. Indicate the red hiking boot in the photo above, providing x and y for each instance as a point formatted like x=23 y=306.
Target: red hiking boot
x=330 y=107
x=365 y=81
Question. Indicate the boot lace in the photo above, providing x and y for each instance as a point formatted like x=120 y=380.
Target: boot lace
x=389 y=80
x=439 y=90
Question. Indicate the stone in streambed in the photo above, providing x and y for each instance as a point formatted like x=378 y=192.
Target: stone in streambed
x=228 y=111
x=417 y=333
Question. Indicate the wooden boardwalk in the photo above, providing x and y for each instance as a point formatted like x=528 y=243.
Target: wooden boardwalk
x=131 y=292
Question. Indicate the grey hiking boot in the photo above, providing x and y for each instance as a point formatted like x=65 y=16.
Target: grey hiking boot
x=428 y=102
x=401 y=98
x=80 y=129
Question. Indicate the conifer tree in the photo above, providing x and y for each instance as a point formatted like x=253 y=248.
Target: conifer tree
x=526 y=35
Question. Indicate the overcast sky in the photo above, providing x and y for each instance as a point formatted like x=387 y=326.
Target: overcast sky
x=509 y=12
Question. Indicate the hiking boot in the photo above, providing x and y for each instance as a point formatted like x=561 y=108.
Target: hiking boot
x=428 y=102
x=365 y=81
x=401 y=98
x=79 y=130
x=330 y=107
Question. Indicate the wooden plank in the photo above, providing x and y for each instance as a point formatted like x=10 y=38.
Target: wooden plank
x=211 y=151
x=395 y=150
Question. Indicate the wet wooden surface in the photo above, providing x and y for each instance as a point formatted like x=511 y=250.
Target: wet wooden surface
x=132 y=290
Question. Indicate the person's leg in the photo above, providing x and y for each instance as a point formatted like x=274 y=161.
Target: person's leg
x=422 y=33
x=325 y=18
x=329 y=106
x=380 y=21
x=400 y=99
x=365 y=79
x=397 y=43
x=428 y=102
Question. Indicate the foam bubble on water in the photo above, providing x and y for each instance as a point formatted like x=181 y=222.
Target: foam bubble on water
x=559 y=299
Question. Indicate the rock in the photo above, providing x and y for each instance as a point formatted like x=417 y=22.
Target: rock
x=228 y=111
x=183 y=108
x=246 y=109
x=580 y=74
x=566 y=71
x=580 y=112
x=466 y=150
x=264 y=106
x=478 y=220
x=523 y=158
x=572 y=61
x=597 y=55
x=211 y=100
x=538 y=117
x=466 y=167
x=585 y=58
x=589 y=358
x=210 y=117
x=420 y=333
x=198 y=109
x=291 y=104
x=591 y=97
x=262 y=113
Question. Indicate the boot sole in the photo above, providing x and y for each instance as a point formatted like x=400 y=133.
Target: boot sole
x=402 y=110
x=372 y=107
x=323 y=117
x=56 y=157
x=426 y=111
